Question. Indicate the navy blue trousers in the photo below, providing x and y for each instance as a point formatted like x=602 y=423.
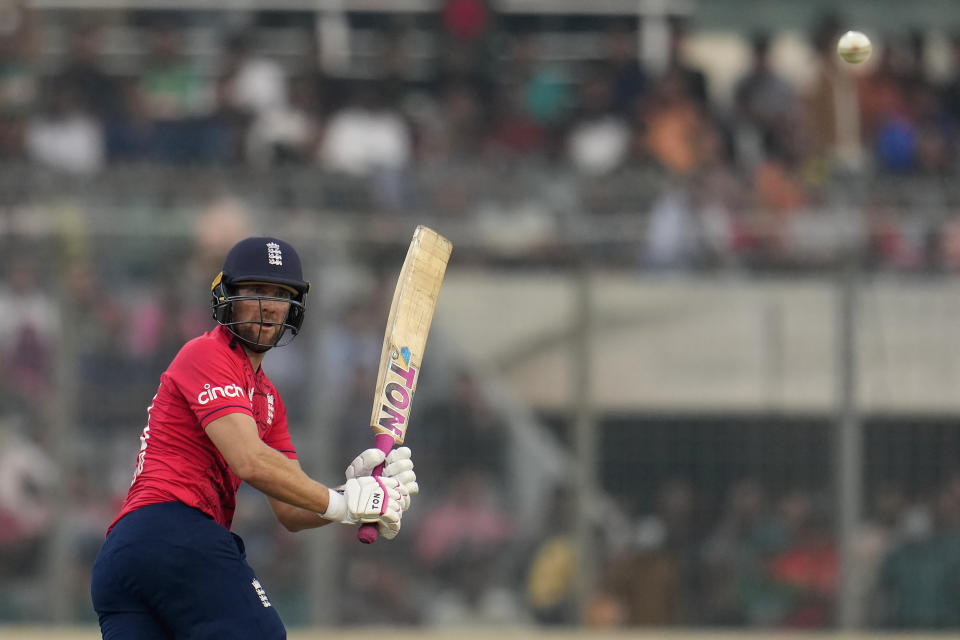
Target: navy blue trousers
x=170 y=571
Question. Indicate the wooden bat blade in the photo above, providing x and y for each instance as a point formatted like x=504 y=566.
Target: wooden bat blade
x=408 y=325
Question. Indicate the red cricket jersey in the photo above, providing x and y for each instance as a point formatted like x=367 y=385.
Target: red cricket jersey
x=177 y=461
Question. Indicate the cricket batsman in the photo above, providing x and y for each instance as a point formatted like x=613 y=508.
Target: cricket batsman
x=170 y=567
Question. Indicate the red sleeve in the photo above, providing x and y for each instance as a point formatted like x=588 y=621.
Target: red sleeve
x=211 y=381
x=278 y=436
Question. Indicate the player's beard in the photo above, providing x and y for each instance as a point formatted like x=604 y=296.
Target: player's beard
x=253 y=335
x=259 y=334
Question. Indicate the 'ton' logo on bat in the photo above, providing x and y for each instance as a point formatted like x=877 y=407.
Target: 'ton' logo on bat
x=397 y=392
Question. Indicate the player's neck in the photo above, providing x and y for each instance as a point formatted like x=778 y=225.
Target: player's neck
x=254 y=357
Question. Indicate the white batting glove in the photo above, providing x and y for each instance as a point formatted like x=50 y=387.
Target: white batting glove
x=368 y=499
x=388 y=524
x=390 y=528
x=398 y=464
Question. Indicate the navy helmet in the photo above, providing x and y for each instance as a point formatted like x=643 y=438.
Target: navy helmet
x=262 y=260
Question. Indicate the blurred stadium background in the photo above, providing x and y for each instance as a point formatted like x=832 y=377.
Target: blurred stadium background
x=702 y=305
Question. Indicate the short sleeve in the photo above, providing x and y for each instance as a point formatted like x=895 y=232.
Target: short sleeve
x=210 y=380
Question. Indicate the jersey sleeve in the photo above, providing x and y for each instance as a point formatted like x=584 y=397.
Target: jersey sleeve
x=211 y=382
x=279 y=435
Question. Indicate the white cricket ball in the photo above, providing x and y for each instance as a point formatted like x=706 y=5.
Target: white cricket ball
x=854 y=47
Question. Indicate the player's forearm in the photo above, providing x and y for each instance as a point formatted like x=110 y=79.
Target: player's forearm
x=282 y=479
x=259 y=465
x=294 y=518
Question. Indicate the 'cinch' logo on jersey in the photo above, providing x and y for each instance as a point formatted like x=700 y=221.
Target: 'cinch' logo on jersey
x=211 y=393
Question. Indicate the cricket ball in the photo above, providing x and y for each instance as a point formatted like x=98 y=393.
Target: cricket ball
x=854 y=47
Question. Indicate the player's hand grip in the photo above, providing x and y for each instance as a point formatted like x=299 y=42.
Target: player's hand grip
x=368 y=532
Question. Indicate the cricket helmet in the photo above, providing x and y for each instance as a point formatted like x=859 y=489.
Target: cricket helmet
x=260 y=260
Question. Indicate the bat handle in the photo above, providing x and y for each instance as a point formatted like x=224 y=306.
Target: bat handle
x=368 y=532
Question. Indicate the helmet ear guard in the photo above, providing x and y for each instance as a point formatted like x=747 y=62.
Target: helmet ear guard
x=220 y=300
x=295 y=314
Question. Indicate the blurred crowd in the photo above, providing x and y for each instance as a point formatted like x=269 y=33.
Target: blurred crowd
x=772 y=560
x=750 y=180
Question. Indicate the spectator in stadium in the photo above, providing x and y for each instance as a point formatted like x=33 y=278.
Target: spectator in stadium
x=269 y=118
x=884 y=528
x=129 y=134
x=469 y=40
x=677 y=508
x=29 y=329
x=397 y=75
x=545 y=87
x=830 y=103
x=598 y=137
x=933 y=129
x=888 y=101
x=172 y=87
x=692 y=80
x=621 y=63
x=287 y=134
x=653 y=581
x=451 y=128
x=779 y=190
x=640 y=587
x=550 y=578
x=673 y=124
x=720 y=201
x=370 y=139
x=949 y=98
x=918 y=582
x=514 y=132
x=19 y=76
x=177 y=101
x=64 y=136
x=466 y=20
x=170 y=565
x=734 y=558
x=464 y=541
x=255 y=84
x=84 y=74
x=368 y=136
x=328 y=86
x=27 y=480
x=805 y=574
x=881 y=93
x=762 y=101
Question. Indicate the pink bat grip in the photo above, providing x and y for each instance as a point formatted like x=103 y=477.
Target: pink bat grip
x=368 y=532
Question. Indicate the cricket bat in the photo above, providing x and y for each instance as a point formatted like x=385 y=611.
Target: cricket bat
x=408 y=325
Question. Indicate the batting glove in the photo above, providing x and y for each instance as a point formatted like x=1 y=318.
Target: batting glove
x=398 y=464
x=368 y=499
